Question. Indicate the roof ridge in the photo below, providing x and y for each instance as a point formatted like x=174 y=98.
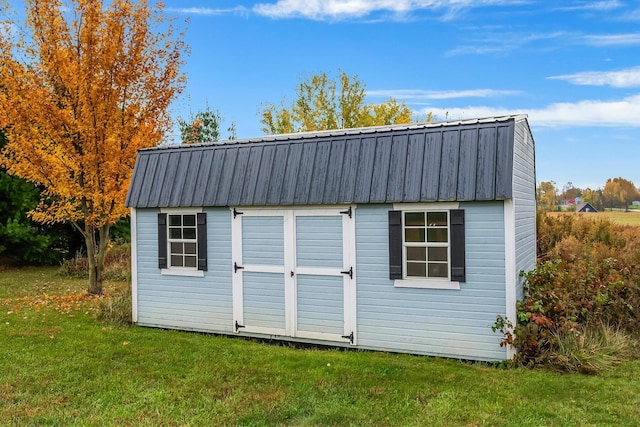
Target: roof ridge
x=343 y=132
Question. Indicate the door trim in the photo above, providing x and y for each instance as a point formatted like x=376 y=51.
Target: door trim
x=289 y=215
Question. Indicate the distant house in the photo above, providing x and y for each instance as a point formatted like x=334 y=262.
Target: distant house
x=406 y=238
x=585 y=207
x=635 y=203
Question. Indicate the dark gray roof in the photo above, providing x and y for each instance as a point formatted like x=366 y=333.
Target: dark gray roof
x=462 y=160
x=585 y=207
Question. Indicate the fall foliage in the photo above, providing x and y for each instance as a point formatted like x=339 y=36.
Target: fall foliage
x=324 y=102
x=587 y=275
x=620 y=192
x=204 y=126
x=84 y=85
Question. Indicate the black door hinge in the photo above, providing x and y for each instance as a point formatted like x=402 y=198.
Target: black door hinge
x=238 y=326
x=237 y=267
x=236 y=213
x=349 y=337
x=347 y=212
x=349 y=272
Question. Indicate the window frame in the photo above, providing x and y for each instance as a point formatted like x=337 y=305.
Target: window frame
x=170 y=270
x=426 y=282
x=426 y=244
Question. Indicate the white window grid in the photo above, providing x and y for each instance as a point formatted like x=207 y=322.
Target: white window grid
x=426 y=244
x=182 y=250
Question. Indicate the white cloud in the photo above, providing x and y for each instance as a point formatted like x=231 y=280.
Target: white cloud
x=623 y=78
x=343 y=9
x=504 y=42
x=628 y=39
x=630 y=16
x=624 y=112
x=594 y=5
x=206 y=11
x=419 y=94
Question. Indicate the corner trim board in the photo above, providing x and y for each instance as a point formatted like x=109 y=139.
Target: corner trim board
x=134 y=267
x=510 y=273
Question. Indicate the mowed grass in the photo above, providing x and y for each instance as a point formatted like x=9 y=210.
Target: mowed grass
x=59 y=366
x=619 y=217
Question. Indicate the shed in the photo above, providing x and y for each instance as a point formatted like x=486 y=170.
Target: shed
x=585 y=207
x=404 y=238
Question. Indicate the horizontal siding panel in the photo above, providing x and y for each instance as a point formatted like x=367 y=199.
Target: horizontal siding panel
x=454 y=323
x=442 y=348
x=193 y=303
x=524 y=183
x=263 y=240
x=176 y=311
x=320 y=305
x=319 y=241
x=183 y=325
x=415 y=310
x=439 y=330
x=263 y=299
x=441 y=343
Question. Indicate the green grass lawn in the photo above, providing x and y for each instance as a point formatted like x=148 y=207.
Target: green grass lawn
x=59 y=366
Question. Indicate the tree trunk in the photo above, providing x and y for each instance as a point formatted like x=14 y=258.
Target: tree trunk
x=96 y=251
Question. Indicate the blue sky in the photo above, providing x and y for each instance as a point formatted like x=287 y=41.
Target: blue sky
x=572 y=66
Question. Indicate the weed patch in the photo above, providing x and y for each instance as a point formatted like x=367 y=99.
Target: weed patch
x=590 y=349
x=117 y=264
x=115 y=307
x=588 y=274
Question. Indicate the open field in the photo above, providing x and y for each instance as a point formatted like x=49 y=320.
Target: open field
x=59 y=366
x=624 y=218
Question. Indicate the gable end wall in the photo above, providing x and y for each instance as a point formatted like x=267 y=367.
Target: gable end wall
x=524 y=199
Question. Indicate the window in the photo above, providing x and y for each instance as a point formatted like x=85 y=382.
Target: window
x=426 y=244
x=427 y=247
x=182 y=242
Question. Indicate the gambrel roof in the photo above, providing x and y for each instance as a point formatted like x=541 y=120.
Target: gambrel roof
x=462 y=161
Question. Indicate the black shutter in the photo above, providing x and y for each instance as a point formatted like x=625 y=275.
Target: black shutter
x=395 y=245
x=162 y=240
x=202 y=241
x=457 y=245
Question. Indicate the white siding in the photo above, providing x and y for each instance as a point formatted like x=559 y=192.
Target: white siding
x=452 y=323
x=192 y=303
x=524 y=199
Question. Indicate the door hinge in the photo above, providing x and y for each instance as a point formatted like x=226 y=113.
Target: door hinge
x=347 y=212
x=349 y=272
x=238 y=326
x=349 y=337
x=236 y=213
x=237 y=267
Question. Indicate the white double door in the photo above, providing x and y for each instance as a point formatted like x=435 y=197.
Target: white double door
x=294 y=272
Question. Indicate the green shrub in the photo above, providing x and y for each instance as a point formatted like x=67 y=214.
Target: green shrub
x=588 y=274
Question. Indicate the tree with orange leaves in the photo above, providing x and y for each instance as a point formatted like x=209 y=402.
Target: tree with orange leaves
x=84 y=84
